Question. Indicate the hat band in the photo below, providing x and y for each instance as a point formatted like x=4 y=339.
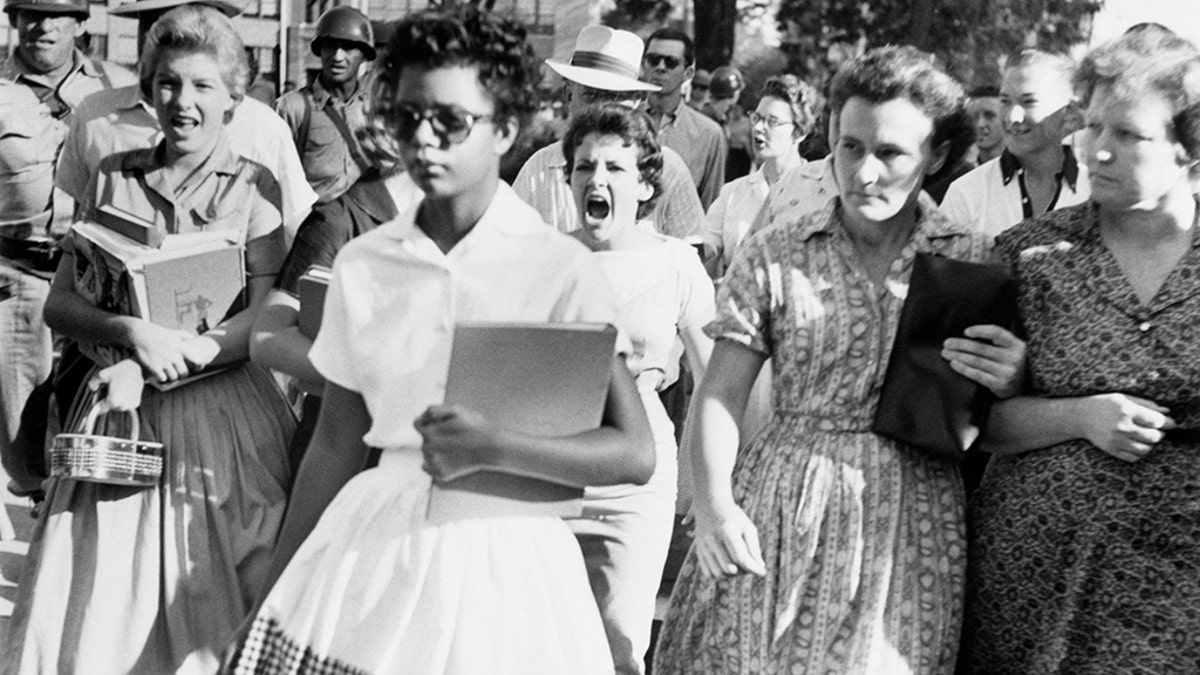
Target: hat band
x=598 y=61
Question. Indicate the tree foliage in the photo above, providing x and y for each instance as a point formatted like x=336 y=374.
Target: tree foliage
x=969 y=36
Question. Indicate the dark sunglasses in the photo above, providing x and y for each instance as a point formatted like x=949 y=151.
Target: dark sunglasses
x=654 y=60
x=450 y=124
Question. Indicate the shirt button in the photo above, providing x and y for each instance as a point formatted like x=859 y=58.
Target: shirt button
x=1144 y=326
x=1153 y=375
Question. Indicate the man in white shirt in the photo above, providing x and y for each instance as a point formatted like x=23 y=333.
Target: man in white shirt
x=604 y=68
x=1035 y=173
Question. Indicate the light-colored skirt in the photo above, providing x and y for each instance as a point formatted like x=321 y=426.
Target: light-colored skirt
x=157 y=580
x=374 y=589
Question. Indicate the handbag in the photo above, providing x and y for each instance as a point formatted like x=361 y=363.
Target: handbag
x=923 y=402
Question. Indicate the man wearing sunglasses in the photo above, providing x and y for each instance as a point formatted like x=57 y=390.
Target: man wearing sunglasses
x=604 y=68
x=669 y=61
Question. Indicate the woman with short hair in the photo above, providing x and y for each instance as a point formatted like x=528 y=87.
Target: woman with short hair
x=156 y=579
x=1085 y=547
x=821 y=546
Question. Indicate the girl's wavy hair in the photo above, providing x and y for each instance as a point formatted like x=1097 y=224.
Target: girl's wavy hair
x=460 y=34
x=634 y=128
x=1149 y=61
x=893 y=72
x=804 y=100
x=196 y=29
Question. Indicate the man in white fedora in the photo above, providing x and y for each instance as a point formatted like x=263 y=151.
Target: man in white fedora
x=604 y=68
x=122 y=119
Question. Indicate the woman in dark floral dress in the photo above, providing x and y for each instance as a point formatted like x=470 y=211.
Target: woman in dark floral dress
x=1086 y=529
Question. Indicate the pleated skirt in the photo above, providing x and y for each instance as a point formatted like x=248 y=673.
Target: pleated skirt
x=156 y=580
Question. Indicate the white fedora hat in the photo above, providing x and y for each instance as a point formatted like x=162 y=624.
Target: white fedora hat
x=605 y=58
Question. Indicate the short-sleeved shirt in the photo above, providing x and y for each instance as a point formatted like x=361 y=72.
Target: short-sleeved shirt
x=395 y=298
x=542 y=183
x=991 y=198
x=331 y=163
x=117 y=120
x=227 y=192
x=730 y=217
x=368 y=203
x=701 y=143
x=34 y=115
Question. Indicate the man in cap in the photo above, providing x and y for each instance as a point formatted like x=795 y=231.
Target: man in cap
x=41 y=84
x=604 y=67
x=122 y=119
x=670 y=59
x=725 y=109
x=325 y=115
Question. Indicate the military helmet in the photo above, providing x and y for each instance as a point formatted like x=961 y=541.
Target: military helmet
x=726 y=82
x=79 y=7
x=348 y=25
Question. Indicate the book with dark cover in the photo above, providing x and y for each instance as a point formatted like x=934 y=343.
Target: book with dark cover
x=923 y=402
x=538 y=379
x=311 y=287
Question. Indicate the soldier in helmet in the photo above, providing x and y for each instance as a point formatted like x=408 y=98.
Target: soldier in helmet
x=325 y=115
x=40 y=85
x=725 y=92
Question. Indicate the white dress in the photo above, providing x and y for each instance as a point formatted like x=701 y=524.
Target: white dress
x=374 y=588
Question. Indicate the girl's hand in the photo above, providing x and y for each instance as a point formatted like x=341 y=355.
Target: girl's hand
x=457 y=441
x=200 y=351
x=990 y=356
x=160 y=351
x=726 y=541
x=1126 y=427
x=124 y=385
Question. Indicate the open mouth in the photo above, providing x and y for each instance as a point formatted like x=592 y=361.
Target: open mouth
x=597 y=207
x=184 y=123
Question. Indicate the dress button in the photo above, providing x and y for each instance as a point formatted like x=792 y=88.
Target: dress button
x=1144 y=326
x=1153 y=375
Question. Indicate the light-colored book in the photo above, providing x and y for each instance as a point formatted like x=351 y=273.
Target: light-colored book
x=538 y=379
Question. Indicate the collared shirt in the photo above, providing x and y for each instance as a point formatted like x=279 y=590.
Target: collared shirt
x=117 y=120
x=34 y=114
x=227 y=192
x=329 y=161
x=800 y=191
x=395 y=298
x=730 y=217
x=992 y=198
x=542 y=183
x=701 y=143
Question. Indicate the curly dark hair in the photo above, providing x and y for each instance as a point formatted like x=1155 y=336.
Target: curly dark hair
x=893 y=72
x=1149 y=61
x=804 y=100
x=632 y=127
x=460 y=34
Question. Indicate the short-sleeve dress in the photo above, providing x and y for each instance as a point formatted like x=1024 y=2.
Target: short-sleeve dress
x=863 y=536
x=375 y=588
x=156 y=580
x=1081 y=562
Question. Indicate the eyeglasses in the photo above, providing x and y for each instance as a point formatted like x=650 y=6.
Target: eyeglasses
x=655 y=60
x=770 y=120
x=450 y=124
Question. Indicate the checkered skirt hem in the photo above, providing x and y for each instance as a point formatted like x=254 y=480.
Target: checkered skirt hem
x=268 y=650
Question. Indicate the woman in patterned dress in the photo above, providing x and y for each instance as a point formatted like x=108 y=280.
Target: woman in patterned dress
x=156 y=580
x=823 y=547
x=1085 y=552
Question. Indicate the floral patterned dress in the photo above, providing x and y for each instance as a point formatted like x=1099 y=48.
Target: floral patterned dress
x=1083 y=563
x=863 y=536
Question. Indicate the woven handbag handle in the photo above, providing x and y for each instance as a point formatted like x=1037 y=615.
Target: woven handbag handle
x=89 y=425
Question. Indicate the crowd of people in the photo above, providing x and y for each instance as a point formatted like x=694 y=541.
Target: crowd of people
x=291 y=531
